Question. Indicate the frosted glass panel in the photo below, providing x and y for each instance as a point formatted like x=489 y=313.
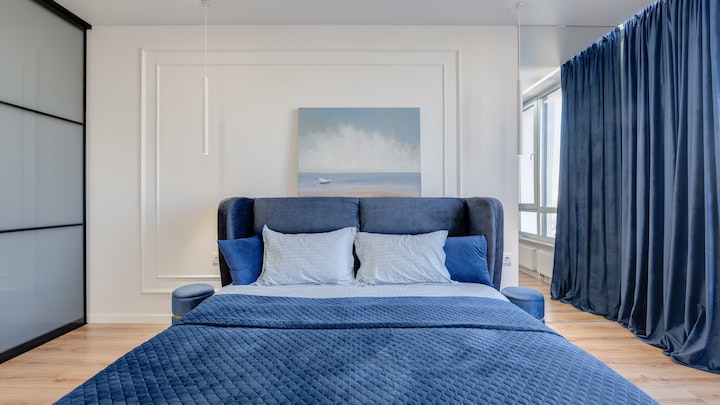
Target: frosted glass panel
x=41 y=170
x=42 y=86
x=59 y=171
x=42 y=60
x=41 y=283
x=11 y=168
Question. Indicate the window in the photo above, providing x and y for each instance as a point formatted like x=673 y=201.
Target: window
x=539 y=165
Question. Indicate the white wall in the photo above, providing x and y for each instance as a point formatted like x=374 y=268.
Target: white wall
x=152 y=196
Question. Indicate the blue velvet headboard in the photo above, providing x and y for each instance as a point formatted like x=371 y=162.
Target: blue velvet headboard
x=240 y=217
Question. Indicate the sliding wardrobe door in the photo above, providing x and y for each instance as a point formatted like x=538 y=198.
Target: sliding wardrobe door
x=42 y=165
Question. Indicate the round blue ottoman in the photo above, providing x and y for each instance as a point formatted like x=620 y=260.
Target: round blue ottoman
x=188 y=297
x=531 y=301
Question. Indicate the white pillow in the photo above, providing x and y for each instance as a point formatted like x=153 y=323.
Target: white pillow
x=401 y=259
x=307 y=258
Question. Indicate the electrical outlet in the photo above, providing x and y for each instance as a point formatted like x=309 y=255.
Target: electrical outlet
x=507 y=259
x=215 y=258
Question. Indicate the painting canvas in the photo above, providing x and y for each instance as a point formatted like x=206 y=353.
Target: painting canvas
x=359 y=152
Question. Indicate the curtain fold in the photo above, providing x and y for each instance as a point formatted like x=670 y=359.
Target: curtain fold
x=667 y=208
x=587 y=248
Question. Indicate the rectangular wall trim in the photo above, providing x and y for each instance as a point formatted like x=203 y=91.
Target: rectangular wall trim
x=256 y=94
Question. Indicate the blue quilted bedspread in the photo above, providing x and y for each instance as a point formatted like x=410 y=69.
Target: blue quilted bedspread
x=250 y=349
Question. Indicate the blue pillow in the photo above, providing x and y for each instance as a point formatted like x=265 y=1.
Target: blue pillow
x=466 y=259
x=244 y=258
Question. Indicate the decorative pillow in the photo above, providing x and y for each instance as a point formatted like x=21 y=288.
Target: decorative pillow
x=466 y=259
x=244 y=258
x=308 y=258
x=401 y=259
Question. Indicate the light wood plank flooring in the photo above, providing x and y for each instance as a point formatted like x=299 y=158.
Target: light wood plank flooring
x=646 y=366
x=45 y=374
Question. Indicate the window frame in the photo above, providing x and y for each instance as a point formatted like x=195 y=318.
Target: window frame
x=540 y=172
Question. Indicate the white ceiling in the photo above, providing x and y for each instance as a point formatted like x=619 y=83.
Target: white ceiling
x=554 y=30
x=367 y=12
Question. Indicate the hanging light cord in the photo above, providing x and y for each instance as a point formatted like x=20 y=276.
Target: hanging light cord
x=518 y=6
x=206 y=3
x=206 y=90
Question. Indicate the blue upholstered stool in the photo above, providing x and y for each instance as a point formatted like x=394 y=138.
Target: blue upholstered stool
x=531 y=301
x=188 y=297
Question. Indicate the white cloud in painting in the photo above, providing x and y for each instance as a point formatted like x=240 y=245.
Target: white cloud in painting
x=349 y=150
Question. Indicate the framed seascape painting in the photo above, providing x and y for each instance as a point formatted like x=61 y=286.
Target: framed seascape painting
x=359 y=152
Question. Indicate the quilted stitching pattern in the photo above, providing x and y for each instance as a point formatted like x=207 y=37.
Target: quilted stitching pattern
x=366 y=312
x=305 y=362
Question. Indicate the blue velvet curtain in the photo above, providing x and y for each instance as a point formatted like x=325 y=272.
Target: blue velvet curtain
x=666 y=244
x=587 y=244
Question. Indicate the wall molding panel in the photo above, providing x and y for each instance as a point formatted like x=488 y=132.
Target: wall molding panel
x=254 y=97
x=151 y=194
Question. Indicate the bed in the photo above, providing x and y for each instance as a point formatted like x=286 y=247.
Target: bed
x=343 y=300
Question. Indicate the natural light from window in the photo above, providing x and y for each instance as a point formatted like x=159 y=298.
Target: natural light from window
x=539 y=166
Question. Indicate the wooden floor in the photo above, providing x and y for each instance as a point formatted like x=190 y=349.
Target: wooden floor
x=644 y=365
x=45 y=374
